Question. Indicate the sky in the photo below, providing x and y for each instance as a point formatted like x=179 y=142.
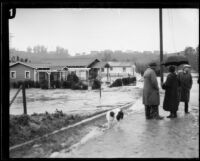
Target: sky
x=85 y=30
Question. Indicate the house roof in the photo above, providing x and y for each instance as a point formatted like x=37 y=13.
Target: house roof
x=100 y=65
x=60 y=64
x=73 y=62
x=120 y=64
x=26 y=64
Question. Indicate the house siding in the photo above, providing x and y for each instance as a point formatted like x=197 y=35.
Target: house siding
x=119 y=71
x=20 y=72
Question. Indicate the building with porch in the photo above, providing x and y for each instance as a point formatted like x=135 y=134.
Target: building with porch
x=52 y=70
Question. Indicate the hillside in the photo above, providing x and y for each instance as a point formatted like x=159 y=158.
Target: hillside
x=103 y=55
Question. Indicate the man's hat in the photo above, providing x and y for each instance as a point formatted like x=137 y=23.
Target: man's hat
x=152 y=64
x=186 y=66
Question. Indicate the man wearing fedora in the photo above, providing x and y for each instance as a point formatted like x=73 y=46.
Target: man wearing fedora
x=151 y=97
x=185 y=80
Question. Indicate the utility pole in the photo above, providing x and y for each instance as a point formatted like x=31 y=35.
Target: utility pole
x=161 y=45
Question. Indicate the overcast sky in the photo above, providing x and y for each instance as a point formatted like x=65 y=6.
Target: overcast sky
x=83 y=30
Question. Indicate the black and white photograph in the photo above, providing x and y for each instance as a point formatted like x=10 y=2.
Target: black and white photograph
x=103 y=83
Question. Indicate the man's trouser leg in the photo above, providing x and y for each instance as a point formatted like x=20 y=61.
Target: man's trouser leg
x=186 y=107
x=155 y=112
x=148 y=112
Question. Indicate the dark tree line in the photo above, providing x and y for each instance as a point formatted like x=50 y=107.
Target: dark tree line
x=14 y=59
x=193 y=57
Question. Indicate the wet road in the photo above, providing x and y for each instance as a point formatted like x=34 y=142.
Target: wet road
x=135 y=137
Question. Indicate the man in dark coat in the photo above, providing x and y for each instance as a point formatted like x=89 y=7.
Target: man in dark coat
x=171 y=99
x=151 y=97
x=185 y=80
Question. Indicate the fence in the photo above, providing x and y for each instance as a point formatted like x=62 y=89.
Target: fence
x=22 y=87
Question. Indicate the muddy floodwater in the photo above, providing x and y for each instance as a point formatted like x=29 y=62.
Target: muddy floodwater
x=73 y=101
x=136 y=137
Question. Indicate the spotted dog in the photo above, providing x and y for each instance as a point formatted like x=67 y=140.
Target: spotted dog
x=114 y=116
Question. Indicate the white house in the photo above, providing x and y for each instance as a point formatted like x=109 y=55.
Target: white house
x=112 y=70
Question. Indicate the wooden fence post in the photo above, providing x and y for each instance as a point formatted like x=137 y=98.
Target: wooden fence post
x=24 y=99
x=15 y=95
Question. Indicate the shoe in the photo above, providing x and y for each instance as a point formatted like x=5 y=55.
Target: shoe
x=173 y=116
x=159 y=118
x=149 y=118
x=170 y=116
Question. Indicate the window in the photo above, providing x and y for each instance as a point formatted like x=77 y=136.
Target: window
x=13 y=74
x=124 y=69
x=27 y=75
x=102 y=69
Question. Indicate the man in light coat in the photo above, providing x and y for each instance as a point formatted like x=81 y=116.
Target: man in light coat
x=151 y=97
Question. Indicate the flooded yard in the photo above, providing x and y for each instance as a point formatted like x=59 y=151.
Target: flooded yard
x=73 y=101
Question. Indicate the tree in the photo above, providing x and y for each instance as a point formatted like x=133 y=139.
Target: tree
x=17 y=58
x=189 y=50
x=13 y=59
x=40 y=49
x=29 y=49
x=192 y=57
x=107 y=55
x=21 y=59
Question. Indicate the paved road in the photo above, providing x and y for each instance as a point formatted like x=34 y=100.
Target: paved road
x=136 y=137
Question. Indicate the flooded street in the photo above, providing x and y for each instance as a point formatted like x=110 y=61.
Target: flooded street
x=136 y=137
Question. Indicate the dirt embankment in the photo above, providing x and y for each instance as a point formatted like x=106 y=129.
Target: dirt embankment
x=47 y=123
x=24 y=128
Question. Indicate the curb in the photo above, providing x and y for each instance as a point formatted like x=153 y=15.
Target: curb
x=68 y=127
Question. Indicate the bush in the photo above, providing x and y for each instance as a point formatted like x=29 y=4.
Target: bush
x=20 y=120
x=96 y=84
x=126 y=81
x=19 y=83
x=75 y=86
x=84 y=86
x=79 y=86
x=36 y=84
x=67 y=84
x=44 y=84
x=58 y=84
x=116 y=83
x=13 y=84
x=73 y=78
x=132 y=79
x=29 y=83
x=58 y=114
